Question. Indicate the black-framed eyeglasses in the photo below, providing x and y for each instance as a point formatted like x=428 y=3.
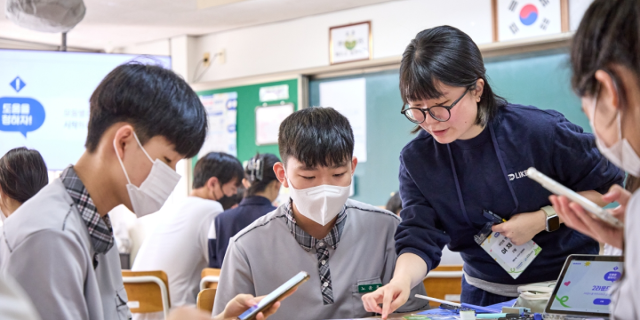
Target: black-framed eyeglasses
x=440 y=113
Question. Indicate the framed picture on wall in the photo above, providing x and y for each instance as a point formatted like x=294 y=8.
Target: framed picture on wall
x=351 y=42
x=518 y=19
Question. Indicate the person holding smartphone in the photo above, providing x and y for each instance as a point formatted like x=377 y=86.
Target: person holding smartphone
x=346 y=246
x=467 y=167
x=605 y=57
x=59 y=245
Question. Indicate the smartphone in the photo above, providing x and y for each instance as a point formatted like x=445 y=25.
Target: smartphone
x=276 y=294
x=588 y=205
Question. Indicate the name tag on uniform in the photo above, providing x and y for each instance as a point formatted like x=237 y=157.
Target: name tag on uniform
x=366 y=288
x=513 y=259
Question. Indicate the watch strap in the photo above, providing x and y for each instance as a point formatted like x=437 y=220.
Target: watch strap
x=549 y=211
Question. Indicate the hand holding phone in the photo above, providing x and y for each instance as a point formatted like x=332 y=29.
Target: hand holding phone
x=585 y=203
x=275 y=295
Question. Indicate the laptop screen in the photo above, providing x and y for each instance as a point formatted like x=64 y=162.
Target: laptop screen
x=583 y=285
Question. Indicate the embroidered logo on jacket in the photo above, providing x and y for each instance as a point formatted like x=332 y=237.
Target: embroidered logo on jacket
x=517 y=175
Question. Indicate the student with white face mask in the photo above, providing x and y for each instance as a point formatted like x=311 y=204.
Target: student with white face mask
x=606 y=74
x=346 y=246
x=59 y=244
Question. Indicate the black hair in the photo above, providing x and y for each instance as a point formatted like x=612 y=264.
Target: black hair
x=259 y=172
x=223 y=166
x=155 y=101
x=448 y=55
x=395 y=203
x=22 y=173
x=316 y=136
x=608 y=34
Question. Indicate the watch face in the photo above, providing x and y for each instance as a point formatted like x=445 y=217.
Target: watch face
x=553 y=223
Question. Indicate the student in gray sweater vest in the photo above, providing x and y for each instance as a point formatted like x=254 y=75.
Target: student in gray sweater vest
x=59 y=245
x=346 y=246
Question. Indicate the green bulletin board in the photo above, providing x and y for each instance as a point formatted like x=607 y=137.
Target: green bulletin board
x=248 y=100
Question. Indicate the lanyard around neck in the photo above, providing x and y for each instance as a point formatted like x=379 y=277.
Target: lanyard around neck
x=504 y=173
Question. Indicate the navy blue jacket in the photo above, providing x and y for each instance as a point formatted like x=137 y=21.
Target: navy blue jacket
x=443 y=197
x=230 y=222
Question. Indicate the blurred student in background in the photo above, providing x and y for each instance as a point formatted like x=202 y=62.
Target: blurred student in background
x=178 y=243
x=22 y=174
x=395 y=203
x=263 y=188
x=233 y=201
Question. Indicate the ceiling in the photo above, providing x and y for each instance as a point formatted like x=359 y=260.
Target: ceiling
x=116 y=23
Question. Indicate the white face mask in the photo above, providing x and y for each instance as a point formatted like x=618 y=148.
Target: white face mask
x=620 y=153
x=320 y=204
x=154 y=190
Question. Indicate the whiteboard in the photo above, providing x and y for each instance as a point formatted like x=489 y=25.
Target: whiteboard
x=349 y=97
x=268 y=120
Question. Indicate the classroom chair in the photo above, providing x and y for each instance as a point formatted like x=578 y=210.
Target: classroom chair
x=148 y=291
x=444 y=282
x=210 y=278
x=205 y=300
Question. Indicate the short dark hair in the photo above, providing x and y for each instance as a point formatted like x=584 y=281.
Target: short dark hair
x=156 y=101
x=221 y=165
x=608 y=34
x=448 y=55
x=22 y=173
x=316 y=136
x=259 y=172
x=395 y=203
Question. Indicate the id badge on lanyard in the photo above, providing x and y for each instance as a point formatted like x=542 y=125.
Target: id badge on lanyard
x=513 y=259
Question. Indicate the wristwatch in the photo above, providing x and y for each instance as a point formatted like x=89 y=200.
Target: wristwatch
x=553 y=221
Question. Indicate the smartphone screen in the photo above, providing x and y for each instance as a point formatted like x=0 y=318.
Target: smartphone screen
x=274 y=295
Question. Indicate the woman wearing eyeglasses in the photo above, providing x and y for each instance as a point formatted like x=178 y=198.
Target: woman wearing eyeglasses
x=466 y=168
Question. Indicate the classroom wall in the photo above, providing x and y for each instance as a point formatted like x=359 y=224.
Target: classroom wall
x=304 y=43
x=159 y=47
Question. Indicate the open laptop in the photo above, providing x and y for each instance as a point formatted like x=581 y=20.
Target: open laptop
x=583 y=285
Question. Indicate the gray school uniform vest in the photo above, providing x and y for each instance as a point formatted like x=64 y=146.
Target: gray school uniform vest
x=265 y=254
x=48 y=251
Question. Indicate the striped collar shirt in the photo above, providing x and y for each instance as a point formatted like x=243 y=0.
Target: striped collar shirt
x=307 y=242
x=100 y=230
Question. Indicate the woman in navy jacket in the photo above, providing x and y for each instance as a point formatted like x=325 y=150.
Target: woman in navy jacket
x=262 y=189
x=471 y=155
